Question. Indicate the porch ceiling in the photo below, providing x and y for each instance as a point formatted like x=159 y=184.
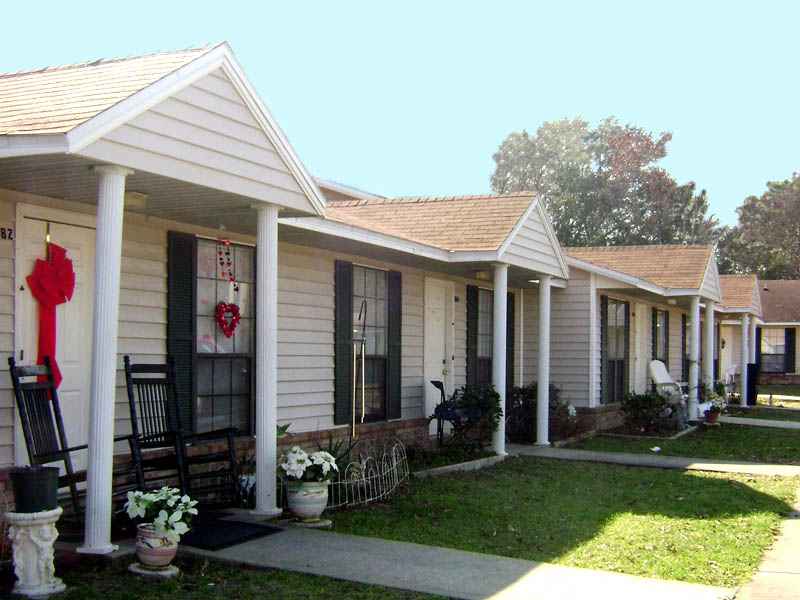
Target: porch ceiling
x=70 y=177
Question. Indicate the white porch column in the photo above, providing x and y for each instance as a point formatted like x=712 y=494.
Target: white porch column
x=266 y=361
x=745 y=358
x=543 y=375
x=694 y=355
x=752 y=339
x=108 y=250
x=708 y=345
x=500 y=304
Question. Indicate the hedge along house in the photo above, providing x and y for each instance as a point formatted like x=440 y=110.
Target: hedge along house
x=148 y=170
x=625 y=306
x=740 y=315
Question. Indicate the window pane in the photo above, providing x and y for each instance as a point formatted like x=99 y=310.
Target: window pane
x=245 y=300
x=206 y=296
x=381 y=286
x=204 y=377
x=225 y=292
x=206 y=333
x=205 y=413
x=206 y=259
x=240 y=413
x=224 y=344
x=369 y=283
x=244 y=264
x=358 y=281
x=242 y=337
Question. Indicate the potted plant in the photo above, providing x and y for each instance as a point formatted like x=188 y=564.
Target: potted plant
x=309 y=476
x=166 y=516
x=713 y=412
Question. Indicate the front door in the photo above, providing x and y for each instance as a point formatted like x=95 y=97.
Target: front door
x=439 y=334
x=73 y=323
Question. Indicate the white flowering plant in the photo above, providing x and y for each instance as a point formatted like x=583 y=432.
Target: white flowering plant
x=169 y=512
x=302 y=466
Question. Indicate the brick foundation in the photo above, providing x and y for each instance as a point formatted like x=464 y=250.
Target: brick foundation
x=600 y=418
x=778 y=379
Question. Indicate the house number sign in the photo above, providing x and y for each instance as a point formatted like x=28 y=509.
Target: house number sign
x=6 y=233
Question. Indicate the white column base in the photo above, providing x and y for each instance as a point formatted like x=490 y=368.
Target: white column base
x=105 y=549
x=32 y=537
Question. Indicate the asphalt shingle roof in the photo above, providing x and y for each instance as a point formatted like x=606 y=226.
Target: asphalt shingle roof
x=458 y=223
x=668 y=266
x=737 y=290
x=780 y=300
x=58 y=99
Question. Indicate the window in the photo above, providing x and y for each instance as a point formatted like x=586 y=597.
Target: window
x=223 y=378
x=773 y=350
x=370 y=317
x=616 y=334
x=485 y=335
x=661 y=336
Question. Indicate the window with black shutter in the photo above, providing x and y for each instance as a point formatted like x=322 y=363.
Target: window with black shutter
x=214 y=371
x=660 y=336
x=773 y=350
x=615 y=351
x=368 y=349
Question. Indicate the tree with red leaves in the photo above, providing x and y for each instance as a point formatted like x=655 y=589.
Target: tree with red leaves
x=603 y=186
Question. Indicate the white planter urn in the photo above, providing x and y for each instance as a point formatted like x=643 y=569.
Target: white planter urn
x=32 y=537
x=307 y=499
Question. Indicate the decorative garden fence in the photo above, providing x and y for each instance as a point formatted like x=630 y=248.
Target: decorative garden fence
x=370 y=478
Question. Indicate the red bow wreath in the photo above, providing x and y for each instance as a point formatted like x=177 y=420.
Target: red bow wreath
x=227 y=325
x=52 y=282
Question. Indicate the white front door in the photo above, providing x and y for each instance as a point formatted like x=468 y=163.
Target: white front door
x=439 y=341
x=73 y=324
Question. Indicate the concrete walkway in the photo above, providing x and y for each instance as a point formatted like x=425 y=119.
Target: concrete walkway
x=446 y=572
x=778 y=577
x=760 y=422
x=657 y=460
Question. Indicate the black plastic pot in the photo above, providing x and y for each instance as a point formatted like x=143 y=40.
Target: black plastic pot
x=35 y=488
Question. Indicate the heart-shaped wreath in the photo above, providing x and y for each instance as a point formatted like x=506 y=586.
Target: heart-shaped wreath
x=227 y=315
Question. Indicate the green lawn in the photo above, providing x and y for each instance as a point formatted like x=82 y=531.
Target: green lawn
x=728 y=442
x=203 y=580
x=760 y=412
x=780 y=390
x=705 y=528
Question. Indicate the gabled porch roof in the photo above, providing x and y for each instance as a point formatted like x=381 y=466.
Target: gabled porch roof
x=203 y=146
x=462 y=231
x=740 y=294
x=664 y=270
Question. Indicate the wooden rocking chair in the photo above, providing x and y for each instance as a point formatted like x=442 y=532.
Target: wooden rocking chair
x=162 y=445
x=45 y=438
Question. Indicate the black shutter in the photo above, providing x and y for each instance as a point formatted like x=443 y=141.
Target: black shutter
x=666 y=339
x=510 y=341
x=393 y=358
x=472 y=335
x=653 y=334
x=626 y=373
x=790 y=337
x=758 y=346
x=343 y=347
x=604 y=383
x=684 y=359
x=181 y=270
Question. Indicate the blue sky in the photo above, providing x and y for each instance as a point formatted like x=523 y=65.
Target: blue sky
x=415 y=97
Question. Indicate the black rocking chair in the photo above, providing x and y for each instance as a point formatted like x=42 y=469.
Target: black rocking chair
x=164 y=450
x=45 y=438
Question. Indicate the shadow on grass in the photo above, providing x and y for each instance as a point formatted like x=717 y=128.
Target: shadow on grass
x=702 y=528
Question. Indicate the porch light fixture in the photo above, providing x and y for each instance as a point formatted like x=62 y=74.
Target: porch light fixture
x=533 y=281
x=672 y=302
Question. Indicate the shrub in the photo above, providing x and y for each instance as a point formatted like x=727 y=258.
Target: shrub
x=521 y=414
x=652 y=413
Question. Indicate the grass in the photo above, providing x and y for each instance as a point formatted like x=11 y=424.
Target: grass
x=726 y=442
x=779 y=390
x=760 y=412
x=204 y=580
x=704 y=528
x=420 y=459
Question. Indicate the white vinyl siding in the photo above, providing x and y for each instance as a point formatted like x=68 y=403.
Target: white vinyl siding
x=229 y=152
x=533 y=248
x=711 y=285
x=6 y=336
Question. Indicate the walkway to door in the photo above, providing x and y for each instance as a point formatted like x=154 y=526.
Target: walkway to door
x=447 y=572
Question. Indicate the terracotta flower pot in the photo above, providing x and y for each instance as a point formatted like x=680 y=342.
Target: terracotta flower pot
x=154 y=550
x=711 y=417
x=307 y=499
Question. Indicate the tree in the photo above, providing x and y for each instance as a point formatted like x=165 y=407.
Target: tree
x=766 y=239
x=602 y=186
